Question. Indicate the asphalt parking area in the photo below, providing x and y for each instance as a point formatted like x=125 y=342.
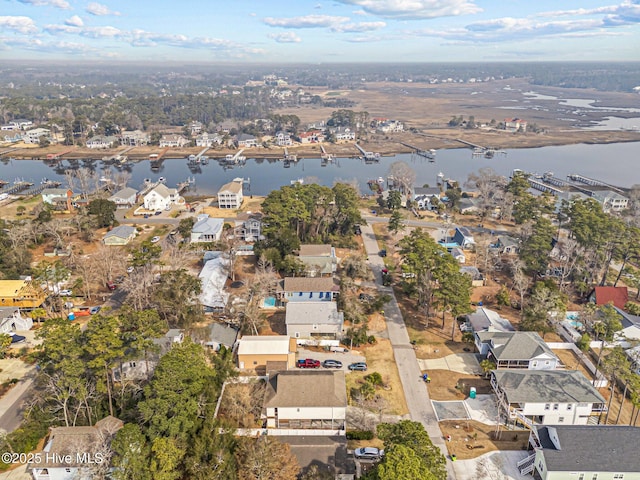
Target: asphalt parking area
x=346 y=358
x=454 y=410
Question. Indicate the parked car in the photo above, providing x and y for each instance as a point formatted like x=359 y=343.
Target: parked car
x=365 y=297
x=382 y=253
x=94 y=310
x=130 y=269
x=368 y=453
x=111 y=286
x=357 y=230
x=155 y=239
x=308 y=363
x=332 y=364
x=159 y=212
x=361 y=366
x=66 y=293
x=465 y=327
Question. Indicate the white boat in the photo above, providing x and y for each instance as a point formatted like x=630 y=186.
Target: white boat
x=298 y=181
x=162 y=180
x=192 y=158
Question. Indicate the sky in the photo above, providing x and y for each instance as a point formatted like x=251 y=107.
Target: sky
x=316 y=31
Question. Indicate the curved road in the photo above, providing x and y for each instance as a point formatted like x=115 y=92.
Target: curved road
x=415 y=390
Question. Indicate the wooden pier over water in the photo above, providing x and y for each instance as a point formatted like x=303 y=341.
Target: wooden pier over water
x=428 y=154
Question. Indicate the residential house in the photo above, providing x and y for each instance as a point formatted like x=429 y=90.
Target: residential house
x=477 y=278
x=206 y=229
x=196 y=127
x=21 y=293
x=221 y=336
x=254 y=351
x=515 y=125
x=423 y=197
x=250 y=227
x=319 y=260
x=485 y=320
x=390 y=126
x=213 y=278
x=468 y=205
x=577 y=452
x=134 y=138
x=507 y=245
x=71 y=452
x=619 y=296
x=11 y=320
x=59 y=198
x=21 y=123
x=230 y=195
x=547 y=397
x=120 y=235
x=176 y=141
x=634 y=358
x=343 y=133
x=247 y=141
x=307 y=289
x=143 y=367
x=630 y=332
x=463 y=238
x=299 y=400
x=458 y=254
x=611 y=201
x=33 y=136
x=208 y=140
x=101 y=142
x=160 y=197
x=12 y=137
x=125 y=198
x=313 y=320
x=283 y=139
x=525 y=350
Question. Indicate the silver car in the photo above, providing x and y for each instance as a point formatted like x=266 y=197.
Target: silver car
x=368 y=453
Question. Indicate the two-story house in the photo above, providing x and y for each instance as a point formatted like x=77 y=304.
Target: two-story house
x=21 y=293
x=230 y=195
x=249 y=228
x=101 y=142
x=176 y=141
x=319 y=260
x=160 y=197
x=247 y=141
x=134 y=138
x=33 y=136
x=547 y=397
x=208 y=140
x=526 y=350
x=463 y=238
x=125 y=198
x=143 y=367
x=576 y=452
x=283 y=139
x=314 y=320
x=307 y=289
x=486 y=320
x=423 y=197
x=12 y=320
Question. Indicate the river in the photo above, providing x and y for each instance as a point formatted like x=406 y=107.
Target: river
x=615 y=163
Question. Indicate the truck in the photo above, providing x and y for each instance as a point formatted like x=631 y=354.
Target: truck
x=308 y=363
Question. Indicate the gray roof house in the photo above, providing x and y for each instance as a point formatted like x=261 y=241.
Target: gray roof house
x=546 y=397
x=313 y=319
x=304 y=400
x=141 y=368
x=477 y=278
x=124 y=198
x=206 y=229
x=120 y=235
x=485 y=320
x=526 y=350
x=221 y=335
x=507 y=245
x=583 y=452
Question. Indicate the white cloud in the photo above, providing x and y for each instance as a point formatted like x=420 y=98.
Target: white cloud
x=62 y=4
x=358 y=27
x=18 y=24
x=415 y=9
x=359 y=12
x=308 y=21
x=286 y=37
x=74 y=21
x=99 y=10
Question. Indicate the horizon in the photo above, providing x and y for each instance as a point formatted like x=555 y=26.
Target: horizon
x=305 y=32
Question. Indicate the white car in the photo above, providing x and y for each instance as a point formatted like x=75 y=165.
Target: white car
x=368 y=453
x=155 y=239
x=130 y=269
x=66 y=293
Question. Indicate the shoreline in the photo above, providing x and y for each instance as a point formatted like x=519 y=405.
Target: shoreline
x=387 y=146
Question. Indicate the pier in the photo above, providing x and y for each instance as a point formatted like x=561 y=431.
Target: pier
x=233 y=159
x=17 y=187
x=537 y=184
x=118 y=157
x=289 y=157
x=58 y=156
x=326 y=156
x=182 y=186
x=592 y=182
x=368 y=156
x=45 y=184
x=428 y=154
x=199 y=158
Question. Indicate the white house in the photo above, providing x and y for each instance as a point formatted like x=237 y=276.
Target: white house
x=160 y=198
x=245 y=140
x=33 y=136
x=547 y=397
x=283 y=139
x=250 y=227
x=125 y=198
x=11 y=320
x=176 y=141
x=423 y=197
x=576 y=452
x=213 y=277
x=525 y=350
x=69 y=451
x=390 y=126
x=53 y=195
x=206 y=229
x=302 y=400
x=101 y=142
x=507 y=245
x=459 y=255
x=120 y=235
x=208 y=139
x=230 y=195
x=343 y=133
x=313 y=320
x=515 y=125
x=134 y=138
x=611 y=201
x=142 y=368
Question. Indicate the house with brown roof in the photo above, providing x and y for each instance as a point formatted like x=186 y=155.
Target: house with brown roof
x=307 y=289
x=319 y=260
x=619 y=296
x=72 y=452
x=21 y=293
x=307 y=400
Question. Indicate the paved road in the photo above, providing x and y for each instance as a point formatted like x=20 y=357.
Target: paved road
x=11 y=404
x=415 y=390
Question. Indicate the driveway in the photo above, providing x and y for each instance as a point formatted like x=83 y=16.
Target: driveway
x=483 y=408
x=346 y=358
x=500 y=464
x=456 y=362
x=328 y=453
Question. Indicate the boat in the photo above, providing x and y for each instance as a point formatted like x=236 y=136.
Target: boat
x=489 y=153
x=192 y=158
x=147 y=180
x=162 y=180
x=299 y=181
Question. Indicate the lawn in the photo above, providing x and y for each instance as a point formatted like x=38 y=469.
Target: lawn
x=470 y=439
x=448 y=385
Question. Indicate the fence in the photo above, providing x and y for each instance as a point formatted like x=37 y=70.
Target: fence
x=600 y=381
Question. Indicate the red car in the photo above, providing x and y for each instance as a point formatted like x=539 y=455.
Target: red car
x=111 y=286
x=308 y=363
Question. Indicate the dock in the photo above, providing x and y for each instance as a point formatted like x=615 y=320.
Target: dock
x=592 y=182
x=368 y=156
x=17 y=187
x=45 y=184
x=58 y=156
x=182 y=186
x=428 y=154
x=199 y=158
x=289 y=157
x=233 y=159
x=326 y=156
x=119 y=157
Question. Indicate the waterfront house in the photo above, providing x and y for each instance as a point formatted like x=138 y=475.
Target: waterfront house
x=611 y=201
x=58 y=198
x=230 y=195
x=221 y=336
x=515 y=125
x=160 y=198
x=314 y=320
x=21 y=293
x=12 y=320
x=213 y=278
x=33 y=136
x=577 y=452
x=175 y=141
x=125 y=198
x=120 y=235
x=319 y=260
x=283 y=139
x=524 y=350
x=423 y=197
x=343 y=133
x=254 y=351
x=250 y=227
x=390 y=126
x=208 y=140
x=206 y=229
x=134 y=138
x=196 y=127
x=485 y=320
x=547 y=397
x=21 y=123
x=618 y=296
x=70 y=453
x=307 y=289
x=306 y=400
x=101 y=142
x=247 y=141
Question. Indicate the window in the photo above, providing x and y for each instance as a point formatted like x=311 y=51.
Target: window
x=569 y=406
x=560 y=419
x=581 y=476
x=68 y=470
x=321 y=294
x=556 y=406
x=595 y=476
x=547 y=406
x=618 y=476
x=548 y=362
